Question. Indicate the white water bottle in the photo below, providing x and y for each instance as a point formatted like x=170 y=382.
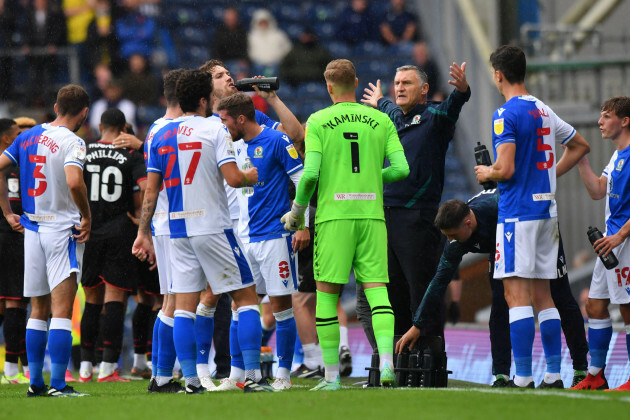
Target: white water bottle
x=249 y=190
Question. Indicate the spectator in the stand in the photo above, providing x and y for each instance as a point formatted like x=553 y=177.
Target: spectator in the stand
x=357 y=23
x=267 y=44
x=7 y=29
x=399 y=25
x=139 y=83
x=102 y=42
x=112 y=98
x=102 y=76
x=136 y=31
x=45 y=30
x=422 y=58
x=230 y=37
x=306 y=62
x=79 y=14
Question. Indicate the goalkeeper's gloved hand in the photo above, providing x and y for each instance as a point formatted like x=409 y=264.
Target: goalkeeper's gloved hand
x=294 y=220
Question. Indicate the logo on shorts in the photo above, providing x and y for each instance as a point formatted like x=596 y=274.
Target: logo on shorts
x=284 y=272
x=628 y=290
x=508 y=236
x=258 y=152
x=497 y=254
x=622 y=274
x=237 y=251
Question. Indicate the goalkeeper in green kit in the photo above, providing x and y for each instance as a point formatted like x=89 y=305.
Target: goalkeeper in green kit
x=346 y=146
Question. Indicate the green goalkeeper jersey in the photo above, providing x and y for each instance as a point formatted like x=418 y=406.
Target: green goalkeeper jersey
x=353 y=140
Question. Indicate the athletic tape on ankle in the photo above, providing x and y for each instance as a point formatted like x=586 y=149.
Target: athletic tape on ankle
x=547 y=314
x=37 y=324
x=521 y=312
x=283 y=315
x=206 y=311
x=599 y=324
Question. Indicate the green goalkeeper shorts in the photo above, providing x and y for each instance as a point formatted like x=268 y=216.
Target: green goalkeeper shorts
x=340 y=245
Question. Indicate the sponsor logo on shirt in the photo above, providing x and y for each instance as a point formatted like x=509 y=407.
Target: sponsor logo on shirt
x=500 y=111
x=543 y=196
x=292 y=152
x=355 y=196
x=258 y=152
x=498 y=126
x=187 y=214
x=79 y=152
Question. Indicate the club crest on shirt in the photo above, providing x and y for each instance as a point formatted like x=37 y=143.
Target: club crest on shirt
x=416 y=119
x=292 y=152
x=258 y=152
x=498 y=126
x=619 y=164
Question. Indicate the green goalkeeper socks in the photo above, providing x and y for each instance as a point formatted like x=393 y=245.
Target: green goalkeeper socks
x=382 y=319
x=328 y=327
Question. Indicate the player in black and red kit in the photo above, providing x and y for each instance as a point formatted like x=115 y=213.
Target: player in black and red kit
x=12 y=263
x=114 y=178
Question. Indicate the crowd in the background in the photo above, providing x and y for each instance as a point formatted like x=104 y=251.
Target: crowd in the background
x=122 y=48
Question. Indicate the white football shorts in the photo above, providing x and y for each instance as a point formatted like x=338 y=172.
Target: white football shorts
x=527 y=249
x=49 y=259
x=162 y=247
x=274 y=265
x=613 y=284
x=218 y=260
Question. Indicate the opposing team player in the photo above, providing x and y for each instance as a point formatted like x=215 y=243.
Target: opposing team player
x=346 y=145
x=12 y=276
x=192 y=155
x=525 y=132
x=271 y=250
x=114 y=178
x=609 y=286
x=56 y=224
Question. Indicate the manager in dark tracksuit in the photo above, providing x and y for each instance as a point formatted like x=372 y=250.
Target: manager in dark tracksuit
x=425 y=130
x=472 y=228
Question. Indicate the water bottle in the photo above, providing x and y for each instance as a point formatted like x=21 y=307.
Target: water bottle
x=610 y=261
x=263 y=83
x=482 y=157
x=249 y=190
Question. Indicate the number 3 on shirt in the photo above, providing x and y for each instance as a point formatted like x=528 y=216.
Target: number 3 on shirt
x=354 y=151
x=38 y=175
x=172 y=158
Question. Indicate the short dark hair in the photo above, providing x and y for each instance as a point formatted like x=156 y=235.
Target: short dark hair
x=71 y=99
x=113 y=118
x=191 y=87
x=238 y=104
x=170 y=86
x=510 y=60
x=5 y=125
x=620 y=105
x=451 y=214
x=209 y=65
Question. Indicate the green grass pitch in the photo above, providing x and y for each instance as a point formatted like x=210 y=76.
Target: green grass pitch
x=462 y=400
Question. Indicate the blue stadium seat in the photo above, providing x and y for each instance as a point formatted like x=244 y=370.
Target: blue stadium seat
x=318 y=12
x=185 y=15
x=193 y=57
x=286 y=12
x=369 y=49
x=189 y=36
x=312 y=91
x=338 y=49
x=293 y=30
x=325 y=31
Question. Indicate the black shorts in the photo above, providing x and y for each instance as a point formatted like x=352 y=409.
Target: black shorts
x=306 y=278
x=110 y=261
x=11 y=265
x=148 y=279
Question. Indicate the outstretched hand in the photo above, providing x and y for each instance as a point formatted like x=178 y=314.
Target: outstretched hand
x=459 y=77
x=372 y=94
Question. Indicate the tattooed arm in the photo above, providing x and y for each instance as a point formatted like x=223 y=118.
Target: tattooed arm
x=143 y=245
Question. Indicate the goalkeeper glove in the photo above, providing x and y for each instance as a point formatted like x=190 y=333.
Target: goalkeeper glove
x=294 y=220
